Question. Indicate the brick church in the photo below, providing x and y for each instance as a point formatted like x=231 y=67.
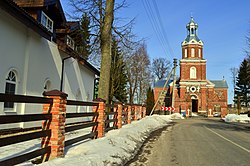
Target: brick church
x=193 y=92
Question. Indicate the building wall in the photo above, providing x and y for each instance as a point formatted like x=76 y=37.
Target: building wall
x=188 y=47
x=36 y=60
x=208 y=98
x=200 y=70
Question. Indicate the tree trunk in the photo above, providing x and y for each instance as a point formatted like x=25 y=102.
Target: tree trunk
x=106 y=51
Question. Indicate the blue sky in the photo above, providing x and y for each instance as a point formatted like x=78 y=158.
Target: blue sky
x=223 y=25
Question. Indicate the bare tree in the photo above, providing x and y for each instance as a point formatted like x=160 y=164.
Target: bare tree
x=161 y=67
x=138 y=74
x=103 y=26
x=121 y=28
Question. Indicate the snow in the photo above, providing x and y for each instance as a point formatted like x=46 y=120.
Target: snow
x=243 y=118
x=117 y=147
x=194 y=114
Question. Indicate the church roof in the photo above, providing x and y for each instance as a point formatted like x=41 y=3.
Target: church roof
x=189 y=38
x=219 y=83
x=160 y=83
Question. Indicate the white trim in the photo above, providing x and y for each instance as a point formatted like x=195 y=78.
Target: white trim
x=192 y=52
x=47 y=21
x=192 y=73
x=5 y=109
x=70 y=42
x=47 y=82
x=201 y=111
x=193 y=60
x=185 y=52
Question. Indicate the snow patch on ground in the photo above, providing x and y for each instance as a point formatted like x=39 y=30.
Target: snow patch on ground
x=237 y=118
x=117 y=147
x=194 y=114
x=176 y=116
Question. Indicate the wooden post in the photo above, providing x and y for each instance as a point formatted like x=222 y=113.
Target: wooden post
x=100 y=128
x=238 y=105
x=56 y=124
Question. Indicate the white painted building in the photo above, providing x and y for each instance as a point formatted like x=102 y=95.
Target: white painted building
x=31 y=56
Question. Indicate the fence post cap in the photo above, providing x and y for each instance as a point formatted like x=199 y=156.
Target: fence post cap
x=99 y=100
x=55 y=92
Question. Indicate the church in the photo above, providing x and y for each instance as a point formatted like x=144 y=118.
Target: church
x=193 y=92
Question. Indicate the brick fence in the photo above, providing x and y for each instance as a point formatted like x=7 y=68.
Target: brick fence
x=57 y=124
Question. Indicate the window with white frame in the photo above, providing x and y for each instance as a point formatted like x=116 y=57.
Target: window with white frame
x=10 y=88
x=185 y=53
x=70 y=42
x=199 y=53
x=46 y=22
x=192 y=72
x=192 y=52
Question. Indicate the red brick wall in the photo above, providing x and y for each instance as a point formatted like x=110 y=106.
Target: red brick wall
x=189 y=47
x=200 y=70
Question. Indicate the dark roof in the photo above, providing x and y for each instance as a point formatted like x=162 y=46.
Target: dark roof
x=53 y=7
x=161 y=83
x=189 y=38
x=219 y=83
x=21 y=15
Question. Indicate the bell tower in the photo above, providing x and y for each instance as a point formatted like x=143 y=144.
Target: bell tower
x=192 y=64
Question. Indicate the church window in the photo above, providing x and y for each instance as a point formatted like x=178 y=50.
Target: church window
x=199 y=53
x=192 y=72
x=47 y=85
x=192 y=52
x=185 y=54
x=10 y=88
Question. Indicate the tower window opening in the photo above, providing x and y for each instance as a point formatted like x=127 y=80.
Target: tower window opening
x=185 y=53
x=192 y=52
x=192 y=31
x=193 y=72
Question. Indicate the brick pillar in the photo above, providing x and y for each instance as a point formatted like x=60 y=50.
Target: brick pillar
x=144 y=111
x=140 y=112
x=223 y=112
x=56 y=124
x=119 y=116
x=100 y=128
x=129 y=114
x=136 y=111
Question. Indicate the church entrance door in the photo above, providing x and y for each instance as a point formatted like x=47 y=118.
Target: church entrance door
x=194 y=105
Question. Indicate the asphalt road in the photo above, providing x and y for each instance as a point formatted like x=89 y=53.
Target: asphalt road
x=197 y=142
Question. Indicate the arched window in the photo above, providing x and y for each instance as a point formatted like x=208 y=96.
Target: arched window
x=10 y=87
x=192 y=31
x=192 y=52
x=199 y=53
x=185 y=53
x=192 y=72
x=47 y=85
